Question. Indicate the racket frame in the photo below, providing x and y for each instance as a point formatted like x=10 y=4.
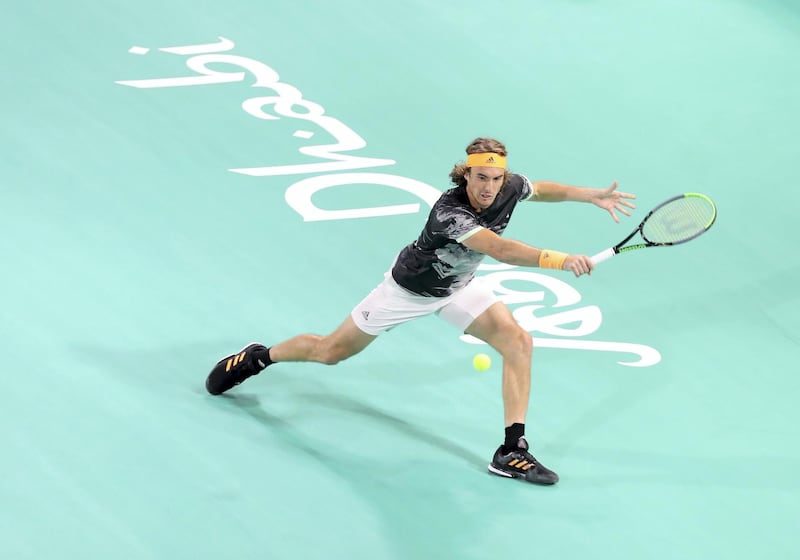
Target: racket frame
x=618 y=248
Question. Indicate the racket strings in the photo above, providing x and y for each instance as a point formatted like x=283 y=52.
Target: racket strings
x=679 y=220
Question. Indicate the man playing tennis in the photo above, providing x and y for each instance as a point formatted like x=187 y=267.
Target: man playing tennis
x=436 y=275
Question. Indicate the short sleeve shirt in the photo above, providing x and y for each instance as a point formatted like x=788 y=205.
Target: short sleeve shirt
x=438 y=263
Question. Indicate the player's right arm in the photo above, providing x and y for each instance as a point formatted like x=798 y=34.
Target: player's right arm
x=516 y=253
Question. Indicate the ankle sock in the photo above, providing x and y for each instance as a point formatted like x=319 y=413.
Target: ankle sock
x=262 y=356
x=513 y=433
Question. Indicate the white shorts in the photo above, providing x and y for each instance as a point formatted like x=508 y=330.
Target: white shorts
x=389 y=305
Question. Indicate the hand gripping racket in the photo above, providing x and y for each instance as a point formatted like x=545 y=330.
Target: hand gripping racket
x=677 y=220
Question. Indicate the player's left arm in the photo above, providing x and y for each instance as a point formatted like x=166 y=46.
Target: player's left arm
x=609 y=198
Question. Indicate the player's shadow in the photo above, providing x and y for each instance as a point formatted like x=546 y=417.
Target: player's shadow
x=172 y=375
x=375 y=484
x=341 y=403
x=251 y=405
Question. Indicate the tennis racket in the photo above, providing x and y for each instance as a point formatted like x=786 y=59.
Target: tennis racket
x=677 y=220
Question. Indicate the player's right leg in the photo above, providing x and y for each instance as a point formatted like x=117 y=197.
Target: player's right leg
x=384 y=308
x=346 y=341
x=232 y=370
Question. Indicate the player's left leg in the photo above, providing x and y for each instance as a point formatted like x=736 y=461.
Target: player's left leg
x=497 y=327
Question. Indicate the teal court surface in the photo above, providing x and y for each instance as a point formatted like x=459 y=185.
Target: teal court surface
x=178 y=179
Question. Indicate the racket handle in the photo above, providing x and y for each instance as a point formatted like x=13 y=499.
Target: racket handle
x=603 y=256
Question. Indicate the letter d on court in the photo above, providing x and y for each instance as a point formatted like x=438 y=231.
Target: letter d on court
x=299 y=195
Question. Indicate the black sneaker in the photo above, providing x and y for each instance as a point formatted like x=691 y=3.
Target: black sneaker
x=518 y=463
x=234 y=369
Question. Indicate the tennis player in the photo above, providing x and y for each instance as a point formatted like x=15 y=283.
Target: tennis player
x=436 y=275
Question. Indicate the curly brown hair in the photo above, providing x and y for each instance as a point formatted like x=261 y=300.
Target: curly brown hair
x=478 y=146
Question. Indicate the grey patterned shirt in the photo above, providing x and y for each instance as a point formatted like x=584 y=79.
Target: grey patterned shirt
x=437 y=263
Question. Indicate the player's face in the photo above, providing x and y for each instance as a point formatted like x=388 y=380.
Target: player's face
x=483 y=184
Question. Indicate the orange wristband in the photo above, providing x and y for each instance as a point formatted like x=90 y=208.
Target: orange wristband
x=552 y=259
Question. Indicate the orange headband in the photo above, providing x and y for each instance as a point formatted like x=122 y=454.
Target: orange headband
x=486 y=160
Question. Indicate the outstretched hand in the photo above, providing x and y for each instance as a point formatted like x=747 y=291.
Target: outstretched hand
x=611 y=200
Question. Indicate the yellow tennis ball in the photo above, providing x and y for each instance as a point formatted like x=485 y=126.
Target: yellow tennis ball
x=481 y=362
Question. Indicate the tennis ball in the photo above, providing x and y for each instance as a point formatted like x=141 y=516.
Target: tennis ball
x=481 y=362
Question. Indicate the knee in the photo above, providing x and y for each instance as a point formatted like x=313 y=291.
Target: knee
x=330 y=359
x=526 y=341
x=333 y=354
x=519 y=341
